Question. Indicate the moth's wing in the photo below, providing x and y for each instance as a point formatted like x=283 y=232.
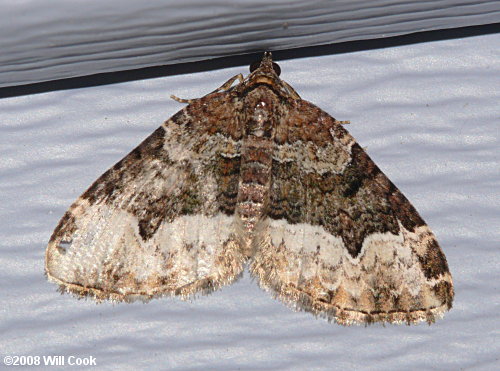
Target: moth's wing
x=160 y=220
x=342 y=241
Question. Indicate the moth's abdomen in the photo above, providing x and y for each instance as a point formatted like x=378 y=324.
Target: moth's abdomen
x=255 y=180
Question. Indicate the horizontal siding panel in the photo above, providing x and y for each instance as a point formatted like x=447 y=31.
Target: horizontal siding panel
x=59 y=39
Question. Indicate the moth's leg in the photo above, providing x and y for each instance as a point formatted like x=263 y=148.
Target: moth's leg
x=346 y=122
x=180 y=100
x=224 y=87
x=228 y=83
x=292 y=91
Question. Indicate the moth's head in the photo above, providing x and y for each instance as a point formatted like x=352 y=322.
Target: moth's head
x=266 y=72
x=266 y=65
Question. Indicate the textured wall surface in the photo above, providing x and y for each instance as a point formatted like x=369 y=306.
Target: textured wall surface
x=427 y=115
x=43 y=40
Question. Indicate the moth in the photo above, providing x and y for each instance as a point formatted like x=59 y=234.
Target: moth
x=251 y=175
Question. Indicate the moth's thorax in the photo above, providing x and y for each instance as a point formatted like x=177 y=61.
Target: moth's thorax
x=261 y=113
